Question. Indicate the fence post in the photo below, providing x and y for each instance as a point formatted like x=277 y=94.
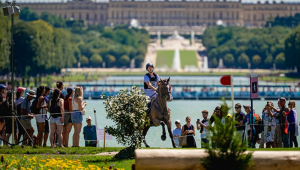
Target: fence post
x=96 y=123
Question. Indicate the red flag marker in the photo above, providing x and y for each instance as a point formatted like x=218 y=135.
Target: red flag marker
x=226 y=80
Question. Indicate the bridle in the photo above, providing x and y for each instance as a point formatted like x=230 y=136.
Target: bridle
x=162 y=83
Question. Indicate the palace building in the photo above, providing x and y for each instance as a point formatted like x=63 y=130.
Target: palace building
x=167 y=12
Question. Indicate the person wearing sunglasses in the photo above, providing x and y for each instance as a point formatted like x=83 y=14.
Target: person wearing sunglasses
x=239 y=118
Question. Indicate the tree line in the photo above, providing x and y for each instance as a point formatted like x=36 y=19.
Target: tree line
x=46 y=43
x=238 y=46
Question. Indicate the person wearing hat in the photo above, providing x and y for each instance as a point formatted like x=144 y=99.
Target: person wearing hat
x=2 y=120
x=90 y=133
x=67 y=120
x=177 y=133
x=27 y=116
x=150 y=81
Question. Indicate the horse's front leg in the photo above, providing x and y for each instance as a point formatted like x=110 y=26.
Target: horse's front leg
x=163 y=136
x=169 y=125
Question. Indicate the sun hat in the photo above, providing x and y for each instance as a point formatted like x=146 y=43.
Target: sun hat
x=31 y=93
x=20 y=89
x=177 y=121
x=2 y=86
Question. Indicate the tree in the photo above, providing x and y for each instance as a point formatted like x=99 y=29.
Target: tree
x=5 y=35
x=243 y=60
x=96 y=60
x=124 y=60
x=280 y=60
x=84 y=60
x=214 y=62
x=269 y=60
x=228 y=60
x=128 y=111
x=256 y=60
x=110 y=60
x=292 y=49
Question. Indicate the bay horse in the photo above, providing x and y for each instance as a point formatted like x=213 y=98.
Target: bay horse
x=160 y=113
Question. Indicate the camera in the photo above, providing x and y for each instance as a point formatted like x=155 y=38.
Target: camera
x=198 y=120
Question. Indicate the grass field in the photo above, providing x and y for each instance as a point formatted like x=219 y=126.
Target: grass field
x=164 y=58
x=188 y=58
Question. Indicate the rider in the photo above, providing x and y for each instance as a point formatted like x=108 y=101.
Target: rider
x=150 y=81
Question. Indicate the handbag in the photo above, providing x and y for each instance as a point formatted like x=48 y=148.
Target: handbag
x=182 y=140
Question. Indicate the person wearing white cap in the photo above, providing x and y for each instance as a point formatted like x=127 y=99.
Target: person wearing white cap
x=177 y=132
x=27 y=115
x=90 y=134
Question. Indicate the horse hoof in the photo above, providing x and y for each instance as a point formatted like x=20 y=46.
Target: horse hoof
x=163 y=137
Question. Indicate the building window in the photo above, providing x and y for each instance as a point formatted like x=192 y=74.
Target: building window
x=117 y=15
x=79 y=15
x=95 y=16
x=87 y=17
x=112 y=15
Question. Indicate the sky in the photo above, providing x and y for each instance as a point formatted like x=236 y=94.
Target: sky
x=245 y=1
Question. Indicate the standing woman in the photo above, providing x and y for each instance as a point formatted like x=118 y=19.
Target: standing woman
x=293 y=126
x=68 y=121
x=40 y=118
x=18 y=102
x=189 y=130
x=269 y=126
x=76 y=116
x=8 y=120
x=56 y=105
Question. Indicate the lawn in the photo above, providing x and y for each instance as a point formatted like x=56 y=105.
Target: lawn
x=164 y=58
x=188 y=58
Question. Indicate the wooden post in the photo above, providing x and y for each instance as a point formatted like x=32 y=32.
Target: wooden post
x=104 y=139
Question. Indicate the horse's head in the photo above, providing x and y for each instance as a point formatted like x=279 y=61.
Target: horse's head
x=164 y=89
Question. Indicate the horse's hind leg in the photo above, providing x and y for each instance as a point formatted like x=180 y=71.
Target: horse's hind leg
x=169 y=125
x=145 y=130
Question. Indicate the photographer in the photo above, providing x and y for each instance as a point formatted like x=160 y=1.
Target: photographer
x=203 y=126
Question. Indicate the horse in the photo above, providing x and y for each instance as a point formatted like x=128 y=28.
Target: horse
x=159 y=113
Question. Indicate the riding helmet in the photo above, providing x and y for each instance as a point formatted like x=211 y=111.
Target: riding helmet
x=149 y=64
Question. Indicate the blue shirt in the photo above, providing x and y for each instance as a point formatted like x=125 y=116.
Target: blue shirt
x=176 y=132
x=25 y=105
x=150 y=92
x=90 y=133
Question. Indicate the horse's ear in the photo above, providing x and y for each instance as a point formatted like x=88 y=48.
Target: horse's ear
x=168 y=80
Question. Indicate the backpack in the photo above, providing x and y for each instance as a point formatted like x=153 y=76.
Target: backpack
x=33 y=107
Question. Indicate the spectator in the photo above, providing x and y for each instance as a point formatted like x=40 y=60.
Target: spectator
x=47 y=129
x=269 y=126
x=293 y=126
x=90 y=133
x=18 y=102
x=189 y=130
x=7 y=109
x=262 y=139
x=249 y=121
x=68 y=121
x=26 y=117
x=203 y=126
x=41 y=116
x=282 y=112
x=56 y=106
x=2 y=120
x=60 y=86
x=218 y=113
x=76 y=116
x=239 y=118
x=177 y=132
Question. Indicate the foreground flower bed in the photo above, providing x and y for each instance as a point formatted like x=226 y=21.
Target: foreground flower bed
x=34 y=163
